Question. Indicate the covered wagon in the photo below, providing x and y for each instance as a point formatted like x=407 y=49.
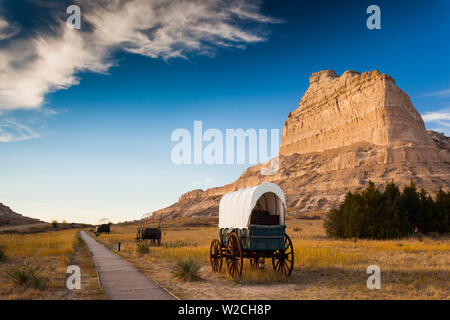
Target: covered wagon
x=103 y=228
x=252 y=225
x=149 y=233
x=153 y=234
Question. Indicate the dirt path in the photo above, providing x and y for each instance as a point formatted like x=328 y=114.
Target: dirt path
x=120 y=279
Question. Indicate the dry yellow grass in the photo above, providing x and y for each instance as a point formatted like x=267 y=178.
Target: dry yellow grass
x=39 y=244
x=324 y=268
x=51 y=253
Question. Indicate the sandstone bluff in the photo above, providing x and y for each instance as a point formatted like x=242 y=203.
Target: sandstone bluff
x=346 y=130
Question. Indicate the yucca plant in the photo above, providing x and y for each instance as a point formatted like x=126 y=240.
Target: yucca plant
x=27 y=276
x=186 y=269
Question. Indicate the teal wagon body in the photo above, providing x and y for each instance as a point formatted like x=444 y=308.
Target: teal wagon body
x=251 y=225
x=257 y=237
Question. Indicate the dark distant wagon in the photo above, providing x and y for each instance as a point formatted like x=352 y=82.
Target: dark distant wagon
x=252 y=225
x=103 y=228
x=153 y=234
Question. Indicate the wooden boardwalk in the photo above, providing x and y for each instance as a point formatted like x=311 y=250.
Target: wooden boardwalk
x=119 y=278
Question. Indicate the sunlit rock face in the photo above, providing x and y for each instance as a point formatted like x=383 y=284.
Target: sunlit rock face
x=346 y=131
x=340 y=111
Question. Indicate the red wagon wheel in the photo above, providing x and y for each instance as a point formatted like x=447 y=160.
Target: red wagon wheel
x=283 y=260
x=215 y=255
x=234 y=255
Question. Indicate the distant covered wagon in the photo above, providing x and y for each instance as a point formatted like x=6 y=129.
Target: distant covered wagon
x=252 y=225
x=103 y=228
x=153 y=234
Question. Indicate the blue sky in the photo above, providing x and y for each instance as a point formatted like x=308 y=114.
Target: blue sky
x=85 y=127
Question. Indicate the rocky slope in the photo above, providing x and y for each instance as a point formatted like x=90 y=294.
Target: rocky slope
x=9 y=217
x=346 y=130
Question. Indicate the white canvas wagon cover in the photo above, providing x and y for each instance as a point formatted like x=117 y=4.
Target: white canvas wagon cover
x=236 y=207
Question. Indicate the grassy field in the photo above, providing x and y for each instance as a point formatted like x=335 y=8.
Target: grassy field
x=42 y=258
x=415 y=268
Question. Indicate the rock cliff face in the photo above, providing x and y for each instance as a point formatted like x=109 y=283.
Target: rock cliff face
x=346 y=130
x=340 y=111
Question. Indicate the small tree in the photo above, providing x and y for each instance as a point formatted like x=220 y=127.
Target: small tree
x=394 y=218
x=410 y=201
x=443 y=211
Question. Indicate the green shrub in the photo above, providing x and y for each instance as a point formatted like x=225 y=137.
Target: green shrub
x=187 y=269
x=55 y=224
x=142 y=248
x=27 y=276
x=390 y=214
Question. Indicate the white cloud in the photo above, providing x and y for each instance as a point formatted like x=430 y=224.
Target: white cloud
x=438 y=120
x=31 y=68
x=442 y=93
x=437 y=115
x=13 y=131
x=7 y=30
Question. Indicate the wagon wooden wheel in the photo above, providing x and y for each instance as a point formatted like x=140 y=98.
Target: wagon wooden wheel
x=139 y=236
x=234 y=255
x=254 y=262
x=283 y=260
x=215 y=255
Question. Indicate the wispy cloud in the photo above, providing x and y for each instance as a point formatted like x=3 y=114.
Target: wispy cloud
x=438 y=120
x=32 y=67
x=442 y=93
x=205 y=180
x=5 y=194
x=13 y=131
x=7 y=30
x=437 y=116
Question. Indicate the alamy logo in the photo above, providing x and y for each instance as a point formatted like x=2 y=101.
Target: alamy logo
x=238 y=147
x=374 y=20
x=74 y=280
x=374 y=281
x=74 y=20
